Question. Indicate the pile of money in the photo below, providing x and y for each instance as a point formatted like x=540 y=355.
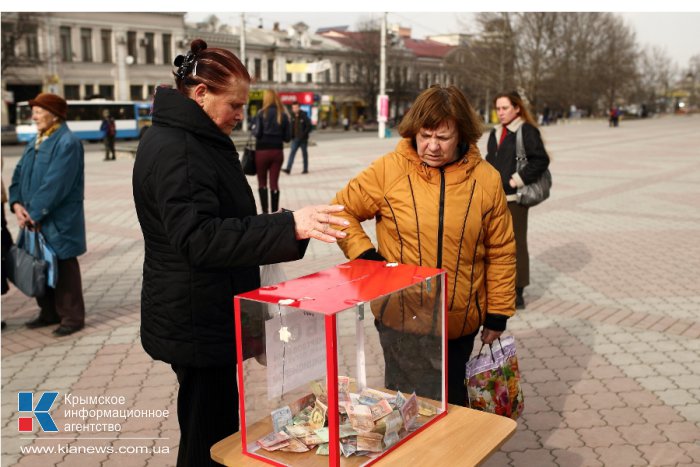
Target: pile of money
x=371 y=421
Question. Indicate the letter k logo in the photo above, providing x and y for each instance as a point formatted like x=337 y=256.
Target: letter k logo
x=41 y=411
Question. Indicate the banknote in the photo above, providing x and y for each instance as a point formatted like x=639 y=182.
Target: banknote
x=280 y=418
x=343 y=384
x=369 y=442
x=276 y=447
x=409 y=411
x=400 y=400
x=392 y=422
x=298 y=431
x=273 y=438
x=425 y=409
x=295 y=446
x=322 y=449
x=391 y=438
x=360 y=417
x=380 y=409
x=346 y=430
x=318 y=388
x=302 y=416
x=312 y=439
x=348 y=446
x=318 y=416
x=322 y=433
x=300 y=404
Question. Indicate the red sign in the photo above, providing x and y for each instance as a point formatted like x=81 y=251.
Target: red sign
x=304 y=98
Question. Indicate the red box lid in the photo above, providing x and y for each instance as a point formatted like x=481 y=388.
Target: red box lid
x=342 y=286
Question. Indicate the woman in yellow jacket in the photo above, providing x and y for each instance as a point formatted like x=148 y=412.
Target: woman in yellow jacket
x=436 y=203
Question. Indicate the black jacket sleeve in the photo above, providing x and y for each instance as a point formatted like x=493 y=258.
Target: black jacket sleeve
x=186 y=197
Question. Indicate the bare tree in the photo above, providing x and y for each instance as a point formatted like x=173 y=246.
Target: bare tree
x=19 y=40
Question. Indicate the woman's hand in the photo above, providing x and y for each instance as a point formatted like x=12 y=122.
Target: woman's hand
x=315 y=222
x=513 y=183
x=23 y=218
x=488 y=336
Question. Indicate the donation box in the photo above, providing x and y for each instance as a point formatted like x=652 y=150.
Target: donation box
x=341 y=366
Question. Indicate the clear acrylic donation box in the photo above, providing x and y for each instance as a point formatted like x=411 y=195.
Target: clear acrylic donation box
x=341 y=366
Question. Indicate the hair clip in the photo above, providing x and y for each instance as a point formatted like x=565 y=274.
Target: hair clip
x=184 y=64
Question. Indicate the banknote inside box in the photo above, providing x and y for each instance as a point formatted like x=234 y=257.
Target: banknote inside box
x=342 y=366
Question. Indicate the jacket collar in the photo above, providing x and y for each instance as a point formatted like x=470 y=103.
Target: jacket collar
x=464 y=165
x=512 y=127
x=170 y=108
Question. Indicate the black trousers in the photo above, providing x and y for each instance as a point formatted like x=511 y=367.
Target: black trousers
x=412 y=363
x=522 y=256
x=207 y=411
x=65 y=302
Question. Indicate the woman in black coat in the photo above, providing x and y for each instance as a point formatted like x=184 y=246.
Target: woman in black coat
x=513 y=116
x=204 y=241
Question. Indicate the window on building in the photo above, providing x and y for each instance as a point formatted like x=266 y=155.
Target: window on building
x=337 y=72
x=270 y=69
x=309 y=78
x=106 y=45
x=71 y=91
x=89 y=91
x=136 y=92
x=148 y=42
x=131 y=45
x=32 y=42
x=86 y=44
x=8 y=40
x=258 y=69
x=107 y=91
x=64 y=34
x=151 y=90
x=327 y=76
x=289 y=75
x=347 y=73
x=167 y=49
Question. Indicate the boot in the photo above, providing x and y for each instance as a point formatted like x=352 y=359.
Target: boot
x=263 y=199
x=275 y=200
x=519 y=300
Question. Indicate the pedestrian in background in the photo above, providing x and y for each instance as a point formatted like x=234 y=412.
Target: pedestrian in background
x=501 y=153
x=438 y=204
x=203 y=240
x=6 y=243
x=47 y=194
x=272 y=130
x=301 y=127
x=109 y=133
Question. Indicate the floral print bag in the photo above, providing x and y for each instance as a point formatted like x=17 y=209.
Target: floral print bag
x=493 y=380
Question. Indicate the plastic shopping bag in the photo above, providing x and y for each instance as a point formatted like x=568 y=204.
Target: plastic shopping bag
x=493 y=380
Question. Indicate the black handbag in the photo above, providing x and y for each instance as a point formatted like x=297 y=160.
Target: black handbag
x=248 y=159
x=537 y=191
x=26 y=271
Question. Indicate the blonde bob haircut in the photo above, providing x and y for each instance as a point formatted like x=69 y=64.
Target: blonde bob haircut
x=437 y=105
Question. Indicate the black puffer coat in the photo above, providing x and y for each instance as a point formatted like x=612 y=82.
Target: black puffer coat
x=203 y=239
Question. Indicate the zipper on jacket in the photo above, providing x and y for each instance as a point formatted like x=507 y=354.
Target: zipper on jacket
x=441 y=217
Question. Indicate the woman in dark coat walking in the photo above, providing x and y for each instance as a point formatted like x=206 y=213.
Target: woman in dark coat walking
x=513 y=116
x=204 y=241
x=272 y=130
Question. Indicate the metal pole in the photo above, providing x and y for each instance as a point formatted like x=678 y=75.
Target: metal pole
x=382 y=78
x=242 y=57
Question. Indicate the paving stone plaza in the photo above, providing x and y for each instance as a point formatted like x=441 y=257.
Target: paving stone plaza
x=609 y=344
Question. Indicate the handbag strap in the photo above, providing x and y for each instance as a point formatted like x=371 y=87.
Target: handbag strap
x=520 y=154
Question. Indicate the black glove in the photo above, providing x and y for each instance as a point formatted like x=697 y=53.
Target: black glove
x=371 y=255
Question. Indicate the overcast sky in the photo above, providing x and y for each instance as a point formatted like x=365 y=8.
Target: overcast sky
x=677 y=33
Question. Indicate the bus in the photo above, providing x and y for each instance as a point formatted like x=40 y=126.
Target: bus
x=132 y=118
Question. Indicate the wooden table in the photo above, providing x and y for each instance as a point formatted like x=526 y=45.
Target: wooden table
x=464 y=437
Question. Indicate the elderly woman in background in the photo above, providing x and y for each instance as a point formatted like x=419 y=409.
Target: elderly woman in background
x=47 y=193
x=436 y=203
x=272 y=130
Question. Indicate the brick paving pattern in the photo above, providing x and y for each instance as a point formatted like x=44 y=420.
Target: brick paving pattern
x=609 y=344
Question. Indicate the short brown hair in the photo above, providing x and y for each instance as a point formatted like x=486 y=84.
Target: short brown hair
x=439 y=104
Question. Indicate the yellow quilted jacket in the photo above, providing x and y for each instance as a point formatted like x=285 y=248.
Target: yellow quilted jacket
x=454 y=217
